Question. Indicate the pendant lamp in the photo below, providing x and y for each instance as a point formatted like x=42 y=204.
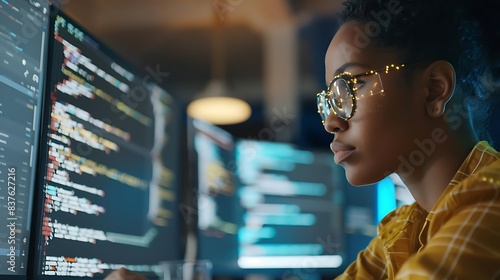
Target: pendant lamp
x=215 y=104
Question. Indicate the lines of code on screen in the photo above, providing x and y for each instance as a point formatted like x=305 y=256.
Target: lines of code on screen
x=109 y=194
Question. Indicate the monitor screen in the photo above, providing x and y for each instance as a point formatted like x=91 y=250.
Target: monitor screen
x=292 y=201
x=217 y=207
x=109 y=193
x=23 y=48
x=277 y=210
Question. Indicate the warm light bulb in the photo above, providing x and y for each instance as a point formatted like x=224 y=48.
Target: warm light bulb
x=220 y=110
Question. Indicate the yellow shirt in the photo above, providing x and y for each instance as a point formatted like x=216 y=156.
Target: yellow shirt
x=458 y=239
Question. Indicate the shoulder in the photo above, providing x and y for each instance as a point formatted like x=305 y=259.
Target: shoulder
x=487 y=178
x=476 y=196
x=482 y=185
x=478 y=179
x=462 y=238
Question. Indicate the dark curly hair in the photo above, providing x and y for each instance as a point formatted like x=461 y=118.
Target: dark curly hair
x=463 y=32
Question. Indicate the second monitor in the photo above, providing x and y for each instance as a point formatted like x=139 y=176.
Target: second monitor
x=110 y=188
x=267 y=208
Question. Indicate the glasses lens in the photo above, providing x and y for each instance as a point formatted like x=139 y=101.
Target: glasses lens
x=341 y=98
x=323 y=107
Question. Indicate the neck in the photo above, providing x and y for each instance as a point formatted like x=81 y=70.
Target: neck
x=431 y=178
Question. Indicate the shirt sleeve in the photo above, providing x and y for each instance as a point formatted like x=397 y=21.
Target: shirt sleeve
x=466 y=246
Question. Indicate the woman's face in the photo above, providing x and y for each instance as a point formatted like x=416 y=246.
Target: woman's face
x=382 y=132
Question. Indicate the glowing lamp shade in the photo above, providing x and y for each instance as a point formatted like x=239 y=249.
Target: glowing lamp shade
x=220 y=110
x=215 y=106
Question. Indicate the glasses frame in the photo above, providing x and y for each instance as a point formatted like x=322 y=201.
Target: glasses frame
x=350 y=81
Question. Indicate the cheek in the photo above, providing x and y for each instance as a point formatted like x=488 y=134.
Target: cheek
x=381 y=131
x=387 y=120
x=380 y=141
x=393 y=111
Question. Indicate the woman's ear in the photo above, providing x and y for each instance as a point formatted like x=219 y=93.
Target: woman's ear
x=440 y=76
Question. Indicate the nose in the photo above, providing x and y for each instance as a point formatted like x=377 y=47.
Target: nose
x=334 y=124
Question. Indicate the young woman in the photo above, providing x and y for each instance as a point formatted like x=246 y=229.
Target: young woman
x=408 y=86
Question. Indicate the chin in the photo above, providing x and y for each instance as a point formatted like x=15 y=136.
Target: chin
x=358 y=178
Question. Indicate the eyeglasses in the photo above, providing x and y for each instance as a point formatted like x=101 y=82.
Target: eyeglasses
x=345 y=89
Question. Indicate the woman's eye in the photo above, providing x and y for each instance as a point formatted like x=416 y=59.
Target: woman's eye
x=358 y=83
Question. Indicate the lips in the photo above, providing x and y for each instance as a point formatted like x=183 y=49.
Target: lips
x=341 y=151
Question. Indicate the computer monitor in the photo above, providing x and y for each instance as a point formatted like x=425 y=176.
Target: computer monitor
x=23 y=48
x=109 y=186
x=264 y=208
x=212 y=166
x=292 y=211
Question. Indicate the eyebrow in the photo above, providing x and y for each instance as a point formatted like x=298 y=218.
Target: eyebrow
x=342 y=68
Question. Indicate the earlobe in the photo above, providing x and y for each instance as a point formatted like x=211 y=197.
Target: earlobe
x=436 y=112
x=441 y=86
